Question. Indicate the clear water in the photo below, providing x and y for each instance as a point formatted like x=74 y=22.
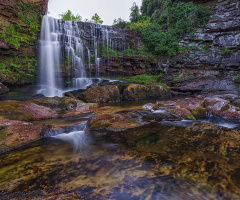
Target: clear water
x=169 y=162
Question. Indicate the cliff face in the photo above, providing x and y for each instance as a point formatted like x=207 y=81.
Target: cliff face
x=216 y=47
x=19 y=29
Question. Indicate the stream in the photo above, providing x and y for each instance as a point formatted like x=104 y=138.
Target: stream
x=171 y=161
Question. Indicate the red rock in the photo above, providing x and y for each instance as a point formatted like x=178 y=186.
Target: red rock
x=81 y=109
x=14 y=133
x=24 y=111
x=101 y=94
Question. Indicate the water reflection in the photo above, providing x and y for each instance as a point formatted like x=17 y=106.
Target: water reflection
x=171 y=160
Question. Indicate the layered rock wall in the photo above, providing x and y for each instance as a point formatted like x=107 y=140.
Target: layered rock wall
x=216 y=47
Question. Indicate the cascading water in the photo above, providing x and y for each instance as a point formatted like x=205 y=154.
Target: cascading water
x=49 y=57
x=64 y=47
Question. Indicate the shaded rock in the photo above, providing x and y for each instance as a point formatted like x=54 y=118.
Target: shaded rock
x=3 y=89
x=17 y=110
x=137 y=92
x=100 y=94
x=204 y=84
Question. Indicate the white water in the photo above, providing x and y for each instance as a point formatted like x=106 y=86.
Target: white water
x=49 y=57
x=64 y=46
x=78 y=139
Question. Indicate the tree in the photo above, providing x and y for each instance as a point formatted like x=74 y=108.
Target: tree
x=68 y=16
x=120 y=23
x=134 y=16
x=96 y=19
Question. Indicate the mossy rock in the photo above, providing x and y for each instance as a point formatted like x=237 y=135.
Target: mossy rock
x=199 y=112
x=24 y=111
x=101 y=94
x=140 y=92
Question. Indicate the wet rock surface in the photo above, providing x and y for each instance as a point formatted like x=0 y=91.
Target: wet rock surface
x=17 y=110
x=139 y=146
x=15 y=133
x=59 y=104
x=100 y=94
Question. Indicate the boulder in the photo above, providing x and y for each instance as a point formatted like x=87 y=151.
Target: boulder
x=222 y=108
x=101 y=94
x=139 y=92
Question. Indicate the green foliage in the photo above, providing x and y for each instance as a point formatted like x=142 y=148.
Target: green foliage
x=227 y=51
x=69 y=16
x=164 y=22
x=145 y=79
x=29 y=13
x=125 y=53
x=18 y=69
x=120 y=23
x=237 y=78
x=135 y=13
x=96 y=19
x=11 y=35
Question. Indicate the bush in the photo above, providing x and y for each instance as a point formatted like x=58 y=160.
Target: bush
x=237 y=79
x=163 y=23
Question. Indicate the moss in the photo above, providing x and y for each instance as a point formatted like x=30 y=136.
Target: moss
x=199 y=112
x=3 y=132
x=18 y=69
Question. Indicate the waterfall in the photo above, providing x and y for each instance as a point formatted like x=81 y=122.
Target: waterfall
x=49 y=57
x=64 y=47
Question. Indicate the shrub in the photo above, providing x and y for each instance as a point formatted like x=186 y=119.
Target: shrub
x=164 y=22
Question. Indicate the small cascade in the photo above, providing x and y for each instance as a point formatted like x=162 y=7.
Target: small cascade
x=64 y=47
